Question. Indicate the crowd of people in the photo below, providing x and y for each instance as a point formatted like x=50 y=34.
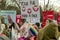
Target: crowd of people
x=16 y=30
x=19 y=31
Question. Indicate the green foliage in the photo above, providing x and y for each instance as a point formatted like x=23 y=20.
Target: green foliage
x=9 y=7
x=4 y=6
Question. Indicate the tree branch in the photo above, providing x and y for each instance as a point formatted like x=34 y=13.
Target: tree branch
x=16 y=3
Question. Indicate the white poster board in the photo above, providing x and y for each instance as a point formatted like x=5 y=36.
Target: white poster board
x=30 y=9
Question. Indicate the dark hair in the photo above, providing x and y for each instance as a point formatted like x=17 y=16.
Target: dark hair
x=12 y=25
x=38 y=24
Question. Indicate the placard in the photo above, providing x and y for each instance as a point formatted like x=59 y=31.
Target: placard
x=11 y=13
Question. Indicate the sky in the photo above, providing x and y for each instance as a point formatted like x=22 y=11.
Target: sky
x=54 y=2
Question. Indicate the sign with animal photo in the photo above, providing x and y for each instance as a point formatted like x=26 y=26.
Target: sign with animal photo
x=30 y=9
